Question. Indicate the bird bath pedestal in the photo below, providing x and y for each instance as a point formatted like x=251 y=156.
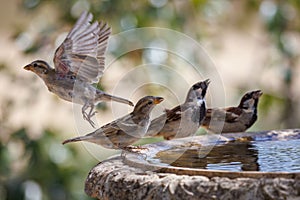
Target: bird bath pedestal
x=182 y=169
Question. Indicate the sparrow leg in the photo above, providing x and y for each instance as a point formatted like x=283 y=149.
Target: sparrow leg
x=83 y=109
x=91 y=113
x=87 y=116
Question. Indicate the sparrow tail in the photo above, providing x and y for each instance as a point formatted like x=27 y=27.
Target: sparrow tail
x=107 y=97
x=76 y=139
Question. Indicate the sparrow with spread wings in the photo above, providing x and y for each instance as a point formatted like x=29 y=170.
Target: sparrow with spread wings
x=185 y=119
x=122 y=132
x=233 y=119
x=79 y=62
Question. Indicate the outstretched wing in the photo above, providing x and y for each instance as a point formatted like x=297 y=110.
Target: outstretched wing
x=82 y=52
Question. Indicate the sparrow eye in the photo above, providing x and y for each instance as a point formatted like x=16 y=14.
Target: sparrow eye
x=35 y=65
x=150 y=102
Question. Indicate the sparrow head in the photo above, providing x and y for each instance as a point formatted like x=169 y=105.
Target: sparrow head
x=146 y=104
x=250 y=100
x=39 y=67
x=197 y=91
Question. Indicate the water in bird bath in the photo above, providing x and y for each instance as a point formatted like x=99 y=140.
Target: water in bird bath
x=262 y=152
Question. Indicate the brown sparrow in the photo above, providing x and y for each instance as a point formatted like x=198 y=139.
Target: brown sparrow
x=79 y=62
x=233 y=119
x=185 y=119
x=124 y=131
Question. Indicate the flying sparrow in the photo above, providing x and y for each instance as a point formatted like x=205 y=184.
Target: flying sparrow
x=233 y=119
x=124 y=131
x=183 y=120
x=79 y=62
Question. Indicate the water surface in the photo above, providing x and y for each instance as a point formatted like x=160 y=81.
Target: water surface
x=257 y=155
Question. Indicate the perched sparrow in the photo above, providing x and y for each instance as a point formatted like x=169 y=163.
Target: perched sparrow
x=126 y=130
x=233 y=119
x=79 y=62
x=183 y=120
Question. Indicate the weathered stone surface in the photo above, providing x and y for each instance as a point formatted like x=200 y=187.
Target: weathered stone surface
x=133 y=177
x=112 y=179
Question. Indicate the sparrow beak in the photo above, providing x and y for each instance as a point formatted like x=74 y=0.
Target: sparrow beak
x=258 y=93
x=202 y=85
x=28 y=67
x=157 y=100
x=207 y=81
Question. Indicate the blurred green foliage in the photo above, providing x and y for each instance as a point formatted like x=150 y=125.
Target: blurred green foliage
x=49 y=170
x=43 y=168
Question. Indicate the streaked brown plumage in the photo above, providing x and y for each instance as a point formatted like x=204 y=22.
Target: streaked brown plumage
x=79 y=62
x=124 y=131
x=233 y=119
x=185 y=119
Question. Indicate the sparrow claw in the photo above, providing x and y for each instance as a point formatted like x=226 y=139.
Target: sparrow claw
x=93 y=114
x=88 y=116
x=91 y=122
x=84 y=115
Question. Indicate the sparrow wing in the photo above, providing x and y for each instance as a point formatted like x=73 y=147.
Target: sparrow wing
x=161 y=123
x=125 y=124
x=174 y=114
x=82 y=52
x=110 y=128
x=107 y=136
x=167 y=124
x=232 y=113
x=217 y=114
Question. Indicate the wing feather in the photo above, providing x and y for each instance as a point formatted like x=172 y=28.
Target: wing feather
x=216 y=114
x=83 y=51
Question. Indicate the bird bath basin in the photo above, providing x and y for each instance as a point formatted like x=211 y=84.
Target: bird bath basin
x=261 y=165
x=263 y=154
x=270 y=152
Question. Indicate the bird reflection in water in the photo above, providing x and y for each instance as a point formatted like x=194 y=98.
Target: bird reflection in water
x=235 y=156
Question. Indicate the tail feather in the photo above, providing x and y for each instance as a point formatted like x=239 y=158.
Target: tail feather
x=76 y=139
x=107 y=97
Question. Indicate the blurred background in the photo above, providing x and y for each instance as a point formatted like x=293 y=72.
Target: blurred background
x=254 y=44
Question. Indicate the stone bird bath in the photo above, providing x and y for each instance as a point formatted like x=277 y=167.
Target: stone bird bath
x=228 y=166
